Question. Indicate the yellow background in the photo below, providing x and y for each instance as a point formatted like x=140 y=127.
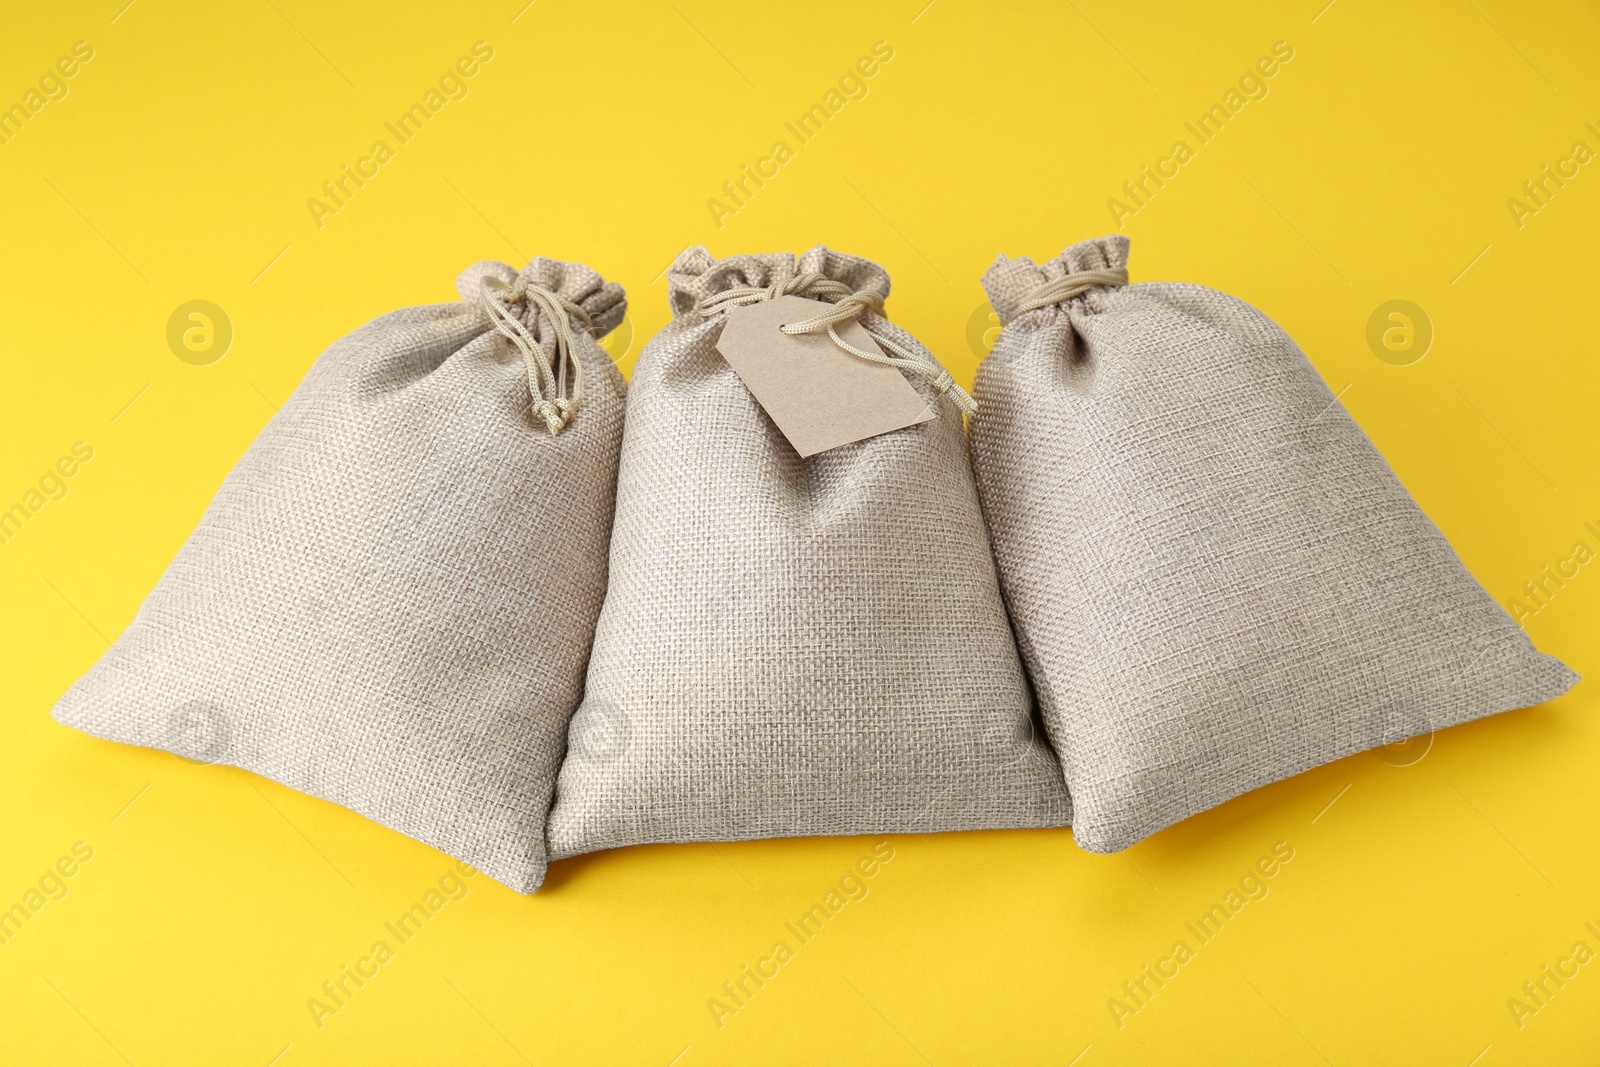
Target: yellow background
x=1378 y=168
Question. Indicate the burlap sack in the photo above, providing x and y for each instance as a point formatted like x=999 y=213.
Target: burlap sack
x=390 y=602
x=793 y=646
x=1217 y=582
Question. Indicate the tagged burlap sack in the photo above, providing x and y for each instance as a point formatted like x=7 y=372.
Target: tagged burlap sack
x=1217 y=582
x=390 y=601
x=794 y=646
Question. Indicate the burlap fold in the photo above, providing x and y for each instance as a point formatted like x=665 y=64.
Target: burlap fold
x=389 y=603
x=1216 y=580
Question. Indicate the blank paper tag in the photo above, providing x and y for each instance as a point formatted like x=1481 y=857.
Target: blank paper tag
x=818 y=394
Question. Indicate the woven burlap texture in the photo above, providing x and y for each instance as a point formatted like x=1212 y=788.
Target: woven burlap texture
x=793 y=646
x=390 y=602
x=1216 y=580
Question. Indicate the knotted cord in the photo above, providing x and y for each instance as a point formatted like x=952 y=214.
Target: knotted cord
x=547 y=375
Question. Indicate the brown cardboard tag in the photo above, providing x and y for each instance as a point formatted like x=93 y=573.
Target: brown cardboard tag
x=818 y=394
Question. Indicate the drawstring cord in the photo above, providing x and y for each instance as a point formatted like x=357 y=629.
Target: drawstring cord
x=850 y=305
x=1069 y=286
x=547 y=377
